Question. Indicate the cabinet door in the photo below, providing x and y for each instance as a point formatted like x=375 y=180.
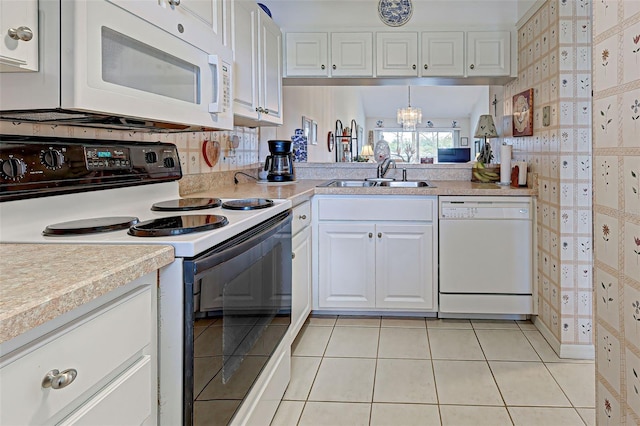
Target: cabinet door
x=488 y=53
x=270 y=70
x=301 y=277
x=404 y=266
x=307 y=55
x=245 y=56
x=346 y=275
x=20 y=54
x=442 y=54
x=351 y=54
x=397 y=54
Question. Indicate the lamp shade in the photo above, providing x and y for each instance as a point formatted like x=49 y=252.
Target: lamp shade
x=367 y=151
x=485 y=127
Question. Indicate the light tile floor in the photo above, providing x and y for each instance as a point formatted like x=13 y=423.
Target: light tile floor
x=412 y=371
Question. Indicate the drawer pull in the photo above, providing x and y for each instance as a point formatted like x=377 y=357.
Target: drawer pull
x=57 y=380
x=302 y=217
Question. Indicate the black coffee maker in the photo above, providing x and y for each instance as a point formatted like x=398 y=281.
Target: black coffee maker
x=280 y=163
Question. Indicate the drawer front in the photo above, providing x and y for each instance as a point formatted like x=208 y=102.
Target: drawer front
x=377 y=208
x=95 y=346
x=301 y=217
x=113 y=405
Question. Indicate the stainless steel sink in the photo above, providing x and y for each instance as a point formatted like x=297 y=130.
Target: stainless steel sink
x=406 y=184
x=348 y=183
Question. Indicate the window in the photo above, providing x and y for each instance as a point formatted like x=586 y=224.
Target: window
x=410 y=146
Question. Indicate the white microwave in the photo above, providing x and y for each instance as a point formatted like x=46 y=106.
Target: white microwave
x=103 y=65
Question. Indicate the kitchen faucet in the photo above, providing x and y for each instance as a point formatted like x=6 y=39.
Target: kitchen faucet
x=383 y=167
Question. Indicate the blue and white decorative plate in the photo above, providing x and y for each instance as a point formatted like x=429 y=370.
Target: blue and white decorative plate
x=395 y=13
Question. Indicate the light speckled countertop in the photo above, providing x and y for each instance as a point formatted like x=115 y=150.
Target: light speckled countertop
x=39 y=282
x=304 y=189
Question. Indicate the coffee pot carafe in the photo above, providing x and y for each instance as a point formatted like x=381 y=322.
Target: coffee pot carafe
x=279 y=164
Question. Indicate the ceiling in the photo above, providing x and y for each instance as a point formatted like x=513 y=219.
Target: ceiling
x=435 y=101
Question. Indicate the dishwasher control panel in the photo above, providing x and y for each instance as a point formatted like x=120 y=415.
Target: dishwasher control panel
x=485 y=210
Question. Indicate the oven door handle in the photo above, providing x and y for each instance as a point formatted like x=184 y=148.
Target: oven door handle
x=241 y=243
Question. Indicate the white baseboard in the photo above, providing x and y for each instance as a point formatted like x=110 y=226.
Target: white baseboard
x=564 y=350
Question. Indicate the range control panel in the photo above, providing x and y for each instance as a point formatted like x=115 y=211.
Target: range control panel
x=39 y=166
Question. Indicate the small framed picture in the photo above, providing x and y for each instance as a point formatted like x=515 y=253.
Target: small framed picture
x=313 y=135
x=306 y=127
x=464 y=141
x=523 y=114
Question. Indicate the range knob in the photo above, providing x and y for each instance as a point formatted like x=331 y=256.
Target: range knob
x=169 y=163
x=52 y=158
x=151 y=157
x=13 y=168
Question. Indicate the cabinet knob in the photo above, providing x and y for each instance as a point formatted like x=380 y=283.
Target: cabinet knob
x=322 y=67
x=370 y=235
x=293 y=255
x=472 y=66
x=174 y=2
x=266 y=111
x=302 y=217
x=333 y=66
x=57 y=380
x=414 y=66
x=426 y=67
x=21 y=33
x=379 y=234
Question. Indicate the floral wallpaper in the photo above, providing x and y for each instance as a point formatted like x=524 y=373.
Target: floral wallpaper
x=616 y=209
x=554 y=48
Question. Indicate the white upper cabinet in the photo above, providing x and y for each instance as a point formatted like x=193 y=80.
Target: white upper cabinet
x=257 y=51
x=352 y=54
x=397 y=54
x=200 y=22
x=19 y=28
x=488 y=53
x=442 y=54
x=307 y=55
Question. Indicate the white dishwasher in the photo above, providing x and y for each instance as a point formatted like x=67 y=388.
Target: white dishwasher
x=486 y=255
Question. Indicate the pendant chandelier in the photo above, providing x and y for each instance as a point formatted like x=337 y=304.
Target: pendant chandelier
x=409 y=117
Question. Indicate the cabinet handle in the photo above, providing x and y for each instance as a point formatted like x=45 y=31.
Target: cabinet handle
x=302 y=217
x=472 y=66
x=57 y=380
x=333 y=66
x=370 y=235
x=174 y=2
x=414 y=66
x=379 y=234
x=322 y=67
x=266 y=111
x=293 y=255
x=21 y=33
x=426 y=66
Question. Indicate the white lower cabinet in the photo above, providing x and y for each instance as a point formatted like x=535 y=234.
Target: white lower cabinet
x=377 y=253
x=102 y=365
x=301 y=268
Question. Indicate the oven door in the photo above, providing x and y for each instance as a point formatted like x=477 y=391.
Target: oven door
x=237 y=311
x=116 y=63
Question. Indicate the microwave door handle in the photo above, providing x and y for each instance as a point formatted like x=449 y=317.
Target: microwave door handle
x=214 y=107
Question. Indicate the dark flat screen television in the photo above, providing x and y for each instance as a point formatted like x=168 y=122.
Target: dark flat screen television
x=454 y=155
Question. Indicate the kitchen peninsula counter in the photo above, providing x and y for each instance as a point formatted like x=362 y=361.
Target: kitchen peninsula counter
x=43 y=281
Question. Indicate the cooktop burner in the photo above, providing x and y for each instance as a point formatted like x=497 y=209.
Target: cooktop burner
x=177 y=225
x=247 y=204
x=186 y=204
x=91 y=226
